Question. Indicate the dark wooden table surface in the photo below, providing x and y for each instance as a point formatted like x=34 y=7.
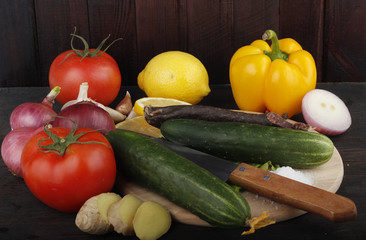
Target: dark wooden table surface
x=22 y=216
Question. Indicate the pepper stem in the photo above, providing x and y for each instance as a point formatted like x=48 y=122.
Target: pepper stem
x=276 y=51
x=59 y=144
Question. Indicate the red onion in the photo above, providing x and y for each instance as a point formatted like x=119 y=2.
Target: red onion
x=13 y=145
x=34 y=114
x=86 y=115
x=326 y=112
x=83 y=97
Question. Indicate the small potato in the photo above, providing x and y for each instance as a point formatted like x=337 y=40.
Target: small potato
x=121 y=214
x=151 y=221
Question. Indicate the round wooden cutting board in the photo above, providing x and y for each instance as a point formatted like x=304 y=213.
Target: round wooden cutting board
x=327 y=176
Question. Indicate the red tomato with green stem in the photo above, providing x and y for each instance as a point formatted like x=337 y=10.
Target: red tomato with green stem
x=73 y=67
x=63 y=168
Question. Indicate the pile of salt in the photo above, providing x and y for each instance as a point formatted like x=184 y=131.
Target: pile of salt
x=289 y=172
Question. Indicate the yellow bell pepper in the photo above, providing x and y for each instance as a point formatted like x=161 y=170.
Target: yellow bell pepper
x=272 y=78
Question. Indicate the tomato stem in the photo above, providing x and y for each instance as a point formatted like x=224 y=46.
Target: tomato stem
x=59 y=144
x=86 y=52
x=276 y=51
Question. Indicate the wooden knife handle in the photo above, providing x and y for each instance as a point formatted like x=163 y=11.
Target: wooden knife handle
x=293 y=193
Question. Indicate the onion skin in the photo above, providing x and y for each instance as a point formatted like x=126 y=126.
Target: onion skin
x=86 y=115
x=83 y=97
x=34 y=114
x=125 y=106
x=13 y=145
x=31 y=115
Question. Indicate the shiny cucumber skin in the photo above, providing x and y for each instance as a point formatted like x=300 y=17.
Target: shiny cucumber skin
x=251 y=143
x=163 y=171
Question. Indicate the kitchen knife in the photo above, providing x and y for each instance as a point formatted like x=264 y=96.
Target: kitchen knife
x=273 y=186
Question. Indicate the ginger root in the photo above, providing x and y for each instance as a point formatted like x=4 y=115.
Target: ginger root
x=121 y=214
x=93 y=215
x=128 y=215
x=151 y=221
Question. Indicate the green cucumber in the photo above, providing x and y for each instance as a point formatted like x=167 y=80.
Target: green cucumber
x=251 y=143
x=163 y=171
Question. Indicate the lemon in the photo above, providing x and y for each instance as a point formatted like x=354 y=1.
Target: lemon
x=139 y=124
x=175 y=74
x=155 y=102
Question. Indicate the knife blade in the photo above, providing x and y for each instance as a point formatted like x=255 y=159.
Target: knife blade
x=284 y=190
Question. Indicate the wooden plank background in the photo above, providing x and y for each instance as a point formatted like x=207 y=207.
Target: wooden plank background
x=35 y=32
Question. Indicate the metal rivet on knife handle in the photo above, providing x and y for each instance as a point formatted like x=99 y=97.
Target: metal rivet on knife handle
x=242 y=169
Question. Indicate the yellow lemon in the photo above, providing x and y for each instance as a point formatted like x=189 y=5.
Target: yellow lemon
x=139 y=124
x=155 y=102
x=175 y=74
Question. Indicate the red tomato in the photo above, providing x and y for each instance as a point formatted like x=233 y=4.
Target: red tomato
x=101 y=73
x=65 y=182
